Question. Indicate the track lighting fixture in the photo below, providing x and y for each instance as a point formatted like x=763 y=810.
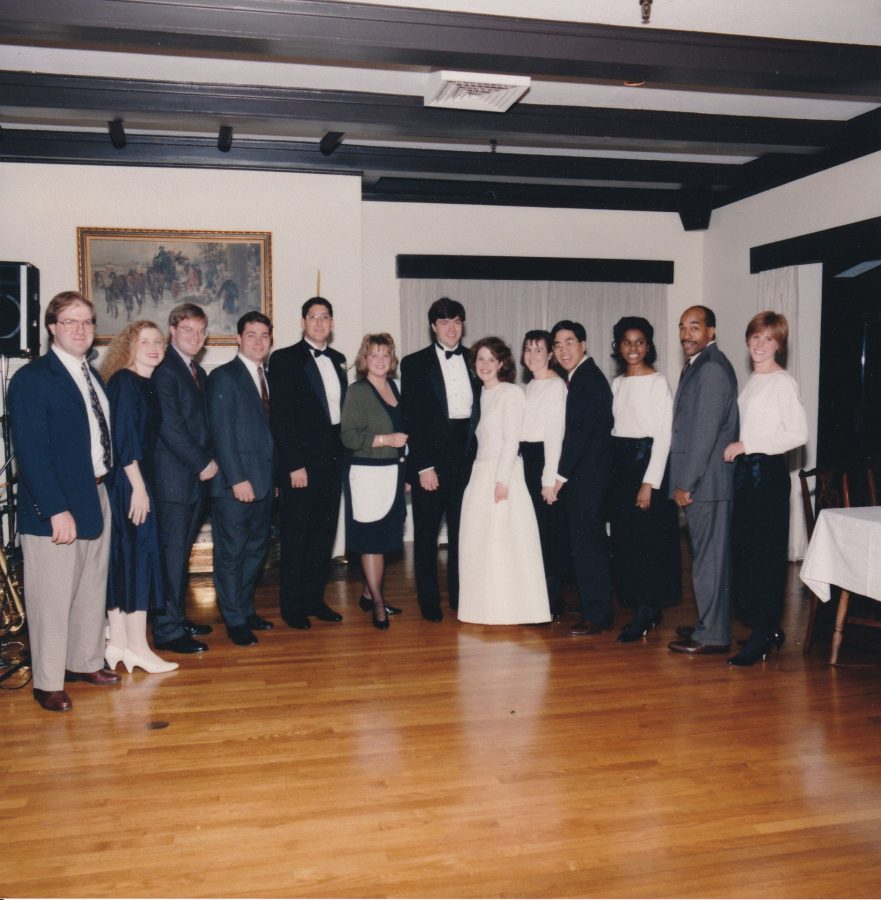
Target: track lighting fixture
x=224 y=138
x=331 y=141
x=117 y=133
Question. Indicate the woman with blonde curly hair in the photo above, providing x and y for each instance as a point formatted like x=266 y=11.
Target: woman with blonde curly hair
x=134 y=584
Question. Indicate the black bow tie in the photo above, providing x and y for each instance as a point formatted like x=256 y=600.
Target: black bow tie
x=318 y=352
x=449 y=353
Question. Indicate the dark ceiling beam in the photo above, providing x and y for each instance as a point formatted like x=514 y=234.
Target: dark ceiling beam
x=63 y=99
x=389 y=36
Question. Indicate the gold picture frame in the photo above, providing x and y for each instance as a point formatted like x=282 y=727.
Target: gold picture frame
x=136 y=273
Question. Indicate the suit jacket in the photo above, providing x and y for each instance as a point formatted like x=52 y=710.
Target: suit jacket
x=424 y=407
x=184 y=447
x=50 y=431
x=586 y=456
x=299 y=412
x=705 y=421
x=240 y=431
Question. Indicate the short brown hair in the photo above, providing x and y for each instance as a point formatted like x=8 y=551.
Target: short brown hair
x=61 y=302
x=774 y=323
x=501 y=353
x=186 y=311
x=380 y=339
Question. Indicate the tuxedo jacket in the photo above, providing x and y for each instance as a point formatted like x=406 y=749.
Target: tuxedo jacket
x=240 y=431
x=53 y=449
x=300 y=415
x=184 y=447
x=425 y=411
x=586 y=455
x=705 y=421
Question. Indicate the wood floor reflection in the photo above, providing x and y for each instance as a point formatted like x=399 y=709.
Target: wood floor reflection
x=437 y=760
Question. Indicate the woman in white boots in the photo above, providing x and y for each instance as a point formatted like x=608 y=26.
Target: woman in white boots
x=134 y=584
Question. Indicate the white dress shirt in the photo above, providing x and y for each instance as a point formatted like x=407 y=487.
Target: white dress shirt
x=331 y=381
x=460 y=396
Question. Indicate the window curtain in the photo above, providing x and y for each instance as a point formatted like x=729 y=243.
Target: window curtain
x=508 y=309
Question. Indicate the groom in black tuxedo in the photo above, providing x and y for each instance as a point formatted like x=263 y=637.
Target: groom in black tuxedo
x=307 y=386
x=438 y=396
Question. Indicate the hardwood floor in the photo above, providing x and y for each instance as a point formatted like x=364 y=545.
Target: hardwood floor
x=437 y=760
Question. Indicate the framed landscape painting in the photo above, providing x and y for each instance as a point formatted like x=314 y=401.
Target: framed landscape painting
x=132 y=274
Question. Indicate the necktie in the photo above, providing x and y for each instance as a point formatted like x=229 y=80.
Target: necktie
x=684 y=369
x=99 y=415
x=318 y=352
x=264 y=391
x=449 y=353
x=195 y=373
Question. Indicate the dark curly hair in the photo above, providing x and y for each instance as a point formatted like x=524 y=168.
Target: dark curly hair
x=633 y=323
x=500 y=351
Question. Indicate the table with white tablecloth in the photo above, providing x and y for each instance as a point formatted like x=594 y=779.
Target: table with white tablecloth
x=845 y=550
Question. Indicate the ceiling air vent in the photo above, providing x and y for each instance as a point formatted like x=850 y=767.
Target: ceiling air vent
x=473 y=90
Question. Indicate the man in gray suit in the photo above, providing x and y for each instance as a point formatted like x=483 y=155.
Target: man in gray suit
x=238 y=410
x=705 y=421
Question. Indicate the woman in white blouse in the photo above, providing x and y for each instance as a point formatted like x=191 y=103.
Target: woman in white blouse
x=644 y=521
x=501 y=580
x=541 y=440
x=772 y=422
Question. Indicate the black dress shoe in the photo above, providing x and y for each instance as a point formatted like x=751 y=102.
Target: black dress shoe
x=297 y=620
x=381 y=624
x=182 y=644
x=241 y=635
x=195 y=630
x=325 y=614
x=257 y=623
x=432 y=615
x=685 y=632
x=584 y=628
x=646 y=620
x=367 y=605
x=693 y=648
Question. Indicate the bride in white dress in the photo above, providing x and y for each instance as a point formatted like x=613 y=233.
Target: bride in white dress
x=501 y=574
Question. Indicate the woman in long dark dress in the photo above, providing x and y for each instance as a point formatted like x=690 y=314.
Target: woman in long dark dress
x=134 y=583
x=373 y=431
x=644 y=521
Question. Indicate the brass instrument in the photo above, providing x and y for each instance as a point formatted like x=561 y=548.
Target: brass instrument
x=12 y=614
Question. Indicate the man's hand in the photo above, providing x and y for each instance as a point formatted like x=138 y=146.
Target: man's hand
x=682 y=498
x=243 y=492
x=428 y=480
x=63 y=528
x=208 y=472
x=299 y=478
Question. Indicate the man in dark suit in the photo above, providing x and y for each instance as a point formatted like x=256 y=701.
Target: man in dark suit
x=583 y=474
x=307 y=386
x=705 y=422
x=184 y=465
x=60 y=421
x=438 y=396
x=241 y=492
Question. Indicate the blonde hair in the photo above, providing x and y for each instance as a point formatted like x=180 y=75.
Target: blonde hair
x=381 y=339
x=121 y=350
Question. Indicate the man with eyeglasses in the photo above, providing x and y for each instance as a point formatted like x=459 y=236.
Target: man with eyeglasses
x=583 y=474
x=307 y=386
x=184 y=465
x=60 y=422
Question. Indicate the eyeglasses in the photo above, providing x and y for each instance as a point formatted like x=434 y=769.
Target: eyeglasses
x=193 y=332
x=568 y=342
x=78 y=324
x=318 y=317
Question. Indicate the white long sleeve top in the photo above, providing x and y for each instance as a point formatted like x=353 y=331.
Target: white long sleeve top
x=772 y=418
x=498 y=431
x=544 y=420
x=643 y=407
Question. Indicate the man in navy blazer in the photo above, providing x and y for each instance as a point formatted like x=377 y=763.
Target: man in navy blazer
x=307 y=387
x=242 y=491
x=60 y=422
x=184 y=464
x=705 y=422
x=439 y=401
x=583 y=474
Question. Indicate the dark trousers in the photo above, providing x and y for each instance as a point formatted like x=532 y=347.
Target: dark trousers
x=429 y=508
x=590 y=550
x=241 y=539
x=179 y=524
x=309 y=518
x=760 y=539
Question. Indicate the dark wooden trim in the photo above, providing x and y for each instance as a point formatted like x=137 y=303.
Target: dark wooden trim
x=844 y=245
x=534 y=268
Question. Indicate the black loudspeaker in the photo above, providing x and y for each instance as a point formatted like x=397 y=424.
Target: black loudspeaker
x=19 y=309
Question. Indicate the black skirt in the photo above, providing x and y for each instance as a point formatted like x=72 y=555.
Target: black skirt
x=646 y=561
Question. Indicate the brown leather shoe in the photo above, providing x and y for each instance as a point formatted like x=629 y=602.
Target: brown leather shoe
x=582 y=627
x=685 y=632
x=101 y=677
x=54 y=701
x=696 y=649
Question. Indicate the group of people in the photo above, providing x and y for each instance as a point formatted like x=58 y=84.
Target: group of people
x=113 y=483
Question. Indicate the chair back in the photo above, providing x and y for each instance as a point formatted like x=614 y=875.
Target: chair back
x=831 y=491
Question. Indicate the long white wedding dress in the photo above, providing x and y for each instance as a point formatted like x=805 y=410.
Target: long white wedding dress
x=501 y=574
